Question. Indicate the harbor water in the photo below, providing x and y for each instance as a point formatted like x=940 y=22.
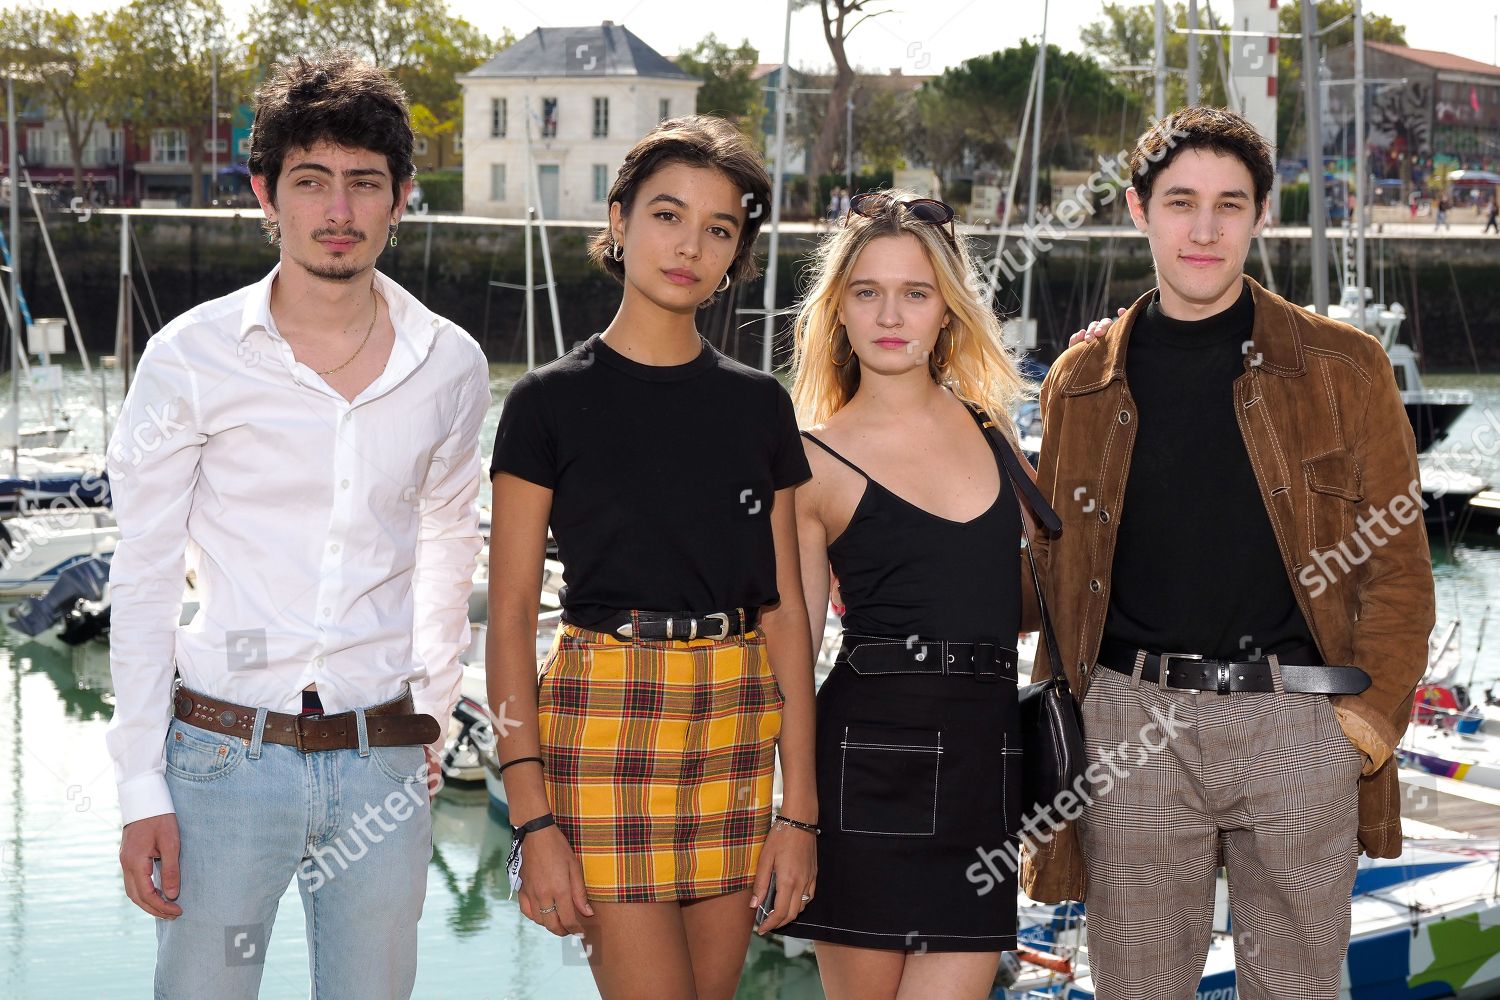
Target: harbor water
x=67 y=930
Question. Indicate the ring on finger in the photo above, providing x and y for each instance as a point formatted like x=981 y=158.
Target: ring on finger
x=548 y=909
x=806 y=898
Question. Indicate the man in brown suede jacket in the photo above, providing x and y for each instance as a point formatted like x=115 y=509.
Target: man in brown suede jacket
x=1244 y=568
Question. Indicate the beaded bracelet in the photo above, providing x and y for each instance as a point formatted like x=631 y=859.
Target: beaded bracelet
x=798 y=825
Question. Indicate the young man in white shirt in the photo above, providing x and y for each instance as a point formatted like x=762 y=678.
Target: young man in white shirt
x=312 y=441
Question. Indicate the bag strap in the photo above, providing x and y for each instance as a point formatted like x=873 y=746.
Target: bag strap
x=1025 y=488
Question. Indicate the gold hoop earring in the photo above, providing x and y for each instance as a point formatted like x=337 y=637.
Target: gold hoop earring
x=835 y=353
x=724 y=284
x=943 y=363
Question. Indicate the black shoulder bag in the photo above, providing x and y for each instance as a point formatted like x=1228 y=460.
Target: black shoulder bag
x=1051 y=724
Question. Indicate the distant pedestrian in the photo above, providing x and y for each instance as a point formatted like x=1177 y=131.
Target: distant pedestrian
x=1412 y=203
x=1442 y=215
x=834 y=213
x=1494 y=220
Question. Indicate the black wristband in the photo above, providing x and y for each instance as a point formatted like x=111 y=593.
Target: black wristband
x=532 y=826
x=520 y=760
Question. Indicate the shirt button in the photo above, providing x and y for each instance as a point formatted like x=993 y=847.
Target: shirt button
x=1104 y=517
x=1124 y=416
x=344 y=485
x=1094 y=585
x=319 y=661
x=334 y=547
x=349 y=416
x=329 y=611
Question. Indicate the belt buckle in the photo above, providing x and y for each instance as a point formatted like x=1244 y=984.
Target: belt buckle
x=298 y=731
x=723 y=619
x=1163 y=661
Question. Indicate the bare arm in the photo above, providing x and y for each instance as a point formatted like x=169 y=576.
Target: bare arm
x=792 y=854
x=812 y=548
x=551 y=877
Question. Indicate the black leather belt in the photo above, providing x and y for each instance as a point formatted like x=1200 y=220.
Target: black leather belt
x=657 y=626
x=881 y=654
x=1193 y=672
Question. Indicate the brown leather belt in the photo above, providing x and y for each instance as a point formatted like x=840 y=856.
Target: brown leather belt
x=392 y=724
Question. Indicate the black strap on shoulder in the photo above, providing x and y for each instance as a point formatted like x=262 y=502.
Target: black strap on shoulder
x=1026 y=489
x=841 y=458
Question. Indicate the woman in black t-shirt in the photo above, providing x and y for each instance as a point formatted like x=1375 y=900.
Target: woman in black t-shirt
x=640 y=766
x=918 y=756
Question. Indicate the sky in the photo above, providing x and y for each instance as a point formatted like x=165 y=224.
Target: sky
x=918 y=36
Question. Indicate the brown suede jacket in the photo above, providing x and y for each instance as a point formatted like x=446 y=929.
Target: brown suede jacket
x=1336 y=461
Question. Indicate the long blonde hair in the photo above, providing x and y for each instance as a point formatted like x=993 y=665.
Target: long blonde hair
x=979 y=367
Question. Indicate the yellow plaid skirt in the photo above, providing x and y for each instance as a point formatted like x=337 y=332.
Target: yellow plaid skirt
x=660 y=757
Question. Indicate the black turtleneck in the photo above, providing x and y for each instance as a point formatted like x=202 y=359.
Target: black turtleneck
x=1196 y=567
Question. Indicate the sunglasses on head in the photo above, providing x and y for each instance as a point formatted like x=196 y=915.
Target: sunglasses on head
x=873 y=204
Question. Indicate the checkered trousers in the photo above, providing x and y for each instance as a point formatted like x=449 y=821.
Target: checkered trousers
x=660 y=758
x=1264 y=785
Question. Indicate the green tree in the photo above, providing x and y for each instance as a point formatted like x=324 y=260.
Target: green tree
x=1291 y=118
x=424 y=46
x=729 y=88
x=1125 y=36
x=840 y=18
x=59 y=56
x=971 y=113
x=160 y=67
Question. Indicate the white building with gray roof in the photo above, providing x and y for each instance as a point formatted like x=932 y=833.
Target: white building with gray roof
x=579 y=98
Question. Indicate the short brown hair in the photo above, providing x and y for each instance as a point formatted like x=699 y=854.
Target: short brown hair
x=333 y=97
x=697 y=141
x=1217 y=130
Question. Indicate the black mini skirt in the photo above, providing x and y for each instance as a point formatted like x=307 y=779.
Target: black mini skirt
x=919 y=799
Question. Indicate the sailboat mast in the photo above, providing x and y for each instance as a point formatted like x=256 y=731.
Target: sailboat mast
x=1361 y=169
x=1317 y=212
x=1036 y=160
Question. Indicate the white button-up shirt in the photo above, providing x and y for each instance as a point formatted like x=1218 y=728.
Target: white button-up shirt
x=334 y=542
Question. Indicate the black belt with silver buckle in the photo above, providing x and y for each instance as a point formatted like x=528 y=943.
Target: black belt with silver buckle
x=882 y=654
x=658 y=626
x=1199 y=674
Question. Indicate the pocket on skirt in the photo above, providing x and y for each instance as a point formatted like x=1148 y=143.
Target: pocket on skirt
x=888 y=782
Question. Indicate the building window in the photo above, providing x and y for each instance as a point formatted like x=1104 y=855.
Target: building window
x=497 y=118
x=601 y=118
x=169 y=145
x=61 y=151
x=549 y=118
x=601 y=181
x=243 y=146
x=220 y=146
x=458 y=143
x=419 y=146
x=663 y=109
x=497 y=182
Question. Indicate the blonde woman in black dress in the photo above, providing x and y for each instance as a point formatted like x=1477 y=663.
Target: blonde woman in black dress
x=918 y=753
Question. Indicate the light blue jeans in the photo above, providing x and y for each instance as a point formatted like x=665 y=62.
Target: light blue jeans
x=354 y=827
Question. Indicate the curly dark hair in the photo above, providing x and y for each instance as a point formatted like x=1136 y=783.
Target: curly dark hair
x=1217 y=130
x=334 y=97
x=697 y=141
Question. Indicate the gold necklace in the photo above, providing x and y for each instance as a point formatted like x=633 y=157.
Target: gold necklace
x=374 y=315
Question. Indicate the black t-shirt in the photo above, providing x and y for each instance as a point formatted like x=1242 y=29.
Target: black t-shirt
x=662 y=477
x=1196 y=566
